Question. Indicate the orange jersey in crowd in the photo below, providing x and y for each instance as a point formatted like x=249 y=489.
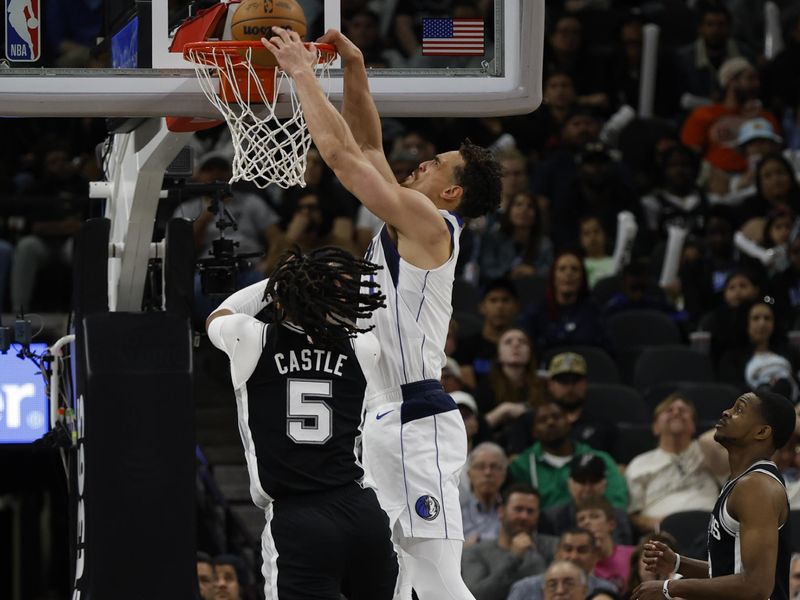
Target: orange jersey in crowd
x=714 y=130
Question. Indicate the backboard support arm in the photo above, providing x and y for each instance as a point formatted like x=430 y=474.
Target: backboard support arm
x=136 y=166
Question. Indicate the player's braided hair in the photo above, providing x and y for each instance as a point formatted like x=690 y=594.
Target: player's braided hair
x=324 y=293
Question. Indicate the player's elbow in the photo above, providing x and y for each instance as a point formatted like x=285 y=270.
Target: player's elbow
x=330 y=150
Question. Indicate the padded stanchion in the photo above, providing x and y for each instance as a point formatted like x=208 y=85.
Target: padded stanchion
x=135 y=484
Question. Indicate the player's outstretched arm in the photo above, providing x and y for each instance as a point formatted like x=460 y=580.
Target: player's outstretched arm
x=407 y=210
x=759 y=504
x=358 y=107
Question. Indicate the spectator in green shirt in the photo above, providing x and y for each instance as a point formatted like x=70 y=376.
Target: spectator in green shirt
x=546 y=464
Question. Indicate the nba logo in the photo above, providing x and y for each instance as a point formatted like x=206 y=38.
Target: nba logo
x=23 y=30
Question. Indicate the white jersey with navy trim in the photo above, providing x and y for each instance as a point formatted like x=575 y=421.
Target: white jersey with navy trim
x=412 y=329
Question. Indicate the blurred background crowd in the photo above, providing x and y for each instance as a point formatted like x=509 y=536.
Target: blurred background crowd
x=589 y=353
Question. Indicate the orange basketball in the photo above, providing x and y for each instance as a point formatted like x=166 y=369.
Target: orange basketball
x=254 y=19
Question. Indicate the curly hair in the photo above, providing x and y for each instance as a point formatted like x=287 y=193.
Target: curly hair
x=479 y=177
x=321 y=292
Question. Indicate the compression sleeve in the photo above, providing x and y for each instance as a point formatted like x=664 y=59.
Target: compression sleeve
x=247 y=301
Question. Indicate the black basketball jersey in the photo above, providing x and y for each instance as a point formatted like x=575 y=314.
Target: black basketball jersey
x=724 y=556
x=302 y=407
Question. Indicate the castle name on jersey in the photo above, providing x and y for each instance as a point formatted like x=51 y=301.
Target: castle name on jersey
x=309 y=360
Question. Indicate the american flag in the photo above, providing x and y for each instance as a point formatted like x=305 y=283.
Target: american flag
x=452 y=37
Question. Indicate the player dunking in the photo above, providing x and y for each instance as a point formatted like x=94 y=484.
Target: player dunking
x=414 y=440
x=299 y=394
x=749 y=542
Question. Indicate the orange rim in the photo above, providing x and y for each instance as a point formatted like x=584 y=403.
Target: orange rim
x=212 y=52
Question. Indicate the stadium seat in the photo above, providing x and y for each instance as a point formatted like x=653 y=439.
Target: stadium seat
x=601 y=367
x=616 y=403
x=634 y=329
x=531 y=289
x=466 y=297
x=666 y=364
x=709 y=399
x=632 y=440
x=605 y=288
x=690 y=529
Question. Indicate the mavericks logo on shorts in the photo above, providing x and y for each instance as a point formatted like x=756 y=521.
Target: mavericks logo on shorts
x=427 y=507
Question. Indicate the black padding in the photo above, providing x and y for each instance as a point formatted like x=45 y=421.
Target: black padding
x=90 y=272
x=137 y=452
x=179 y=266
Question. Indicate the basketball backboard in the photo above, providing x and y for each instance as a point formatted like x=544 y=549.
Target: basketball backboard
x=138 y=75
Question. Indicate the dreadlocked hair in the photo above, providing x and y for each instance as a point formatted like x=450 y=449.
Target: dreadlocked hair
x=324 y=293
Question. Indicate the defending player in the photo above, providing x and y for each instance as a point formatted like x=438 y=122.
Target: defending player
x=299 y=393
x=414 y=439
x=749 y=541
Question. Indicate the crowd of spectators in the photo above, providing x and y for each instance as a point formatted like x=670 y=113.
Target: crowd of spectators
x=579 y=446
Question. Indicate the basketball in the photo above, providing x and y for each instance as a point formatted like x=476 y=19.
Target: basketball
x=254 y=19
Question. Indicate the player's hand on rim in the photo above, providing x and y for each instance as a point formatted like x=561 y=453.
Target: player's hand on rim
x=291 y=53
x=344 y=46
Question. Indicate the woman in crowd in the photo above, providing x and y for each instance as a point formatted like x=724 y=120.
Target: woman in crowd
x=741 y=287
x=568 y=317
x=762 y=358
x=512 y=387
x=517 y=247
x=776 y=188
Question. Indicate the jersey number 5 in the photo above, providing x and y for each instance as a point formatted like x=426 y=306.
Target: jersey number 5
x=309 y=420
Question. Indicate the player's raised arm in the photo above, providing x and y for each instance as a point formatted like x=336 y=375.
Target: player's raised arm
x=247 y=301
x=409 y=211
x=358 y=107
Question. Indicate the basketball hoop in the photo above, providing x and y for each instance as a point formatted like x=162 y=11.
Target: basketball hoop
x=266 y=149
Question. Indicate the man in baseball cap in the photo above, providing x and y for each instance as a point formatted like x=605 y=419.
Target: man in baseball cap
x=567 y=385
x=759 y=130
x=587 y=479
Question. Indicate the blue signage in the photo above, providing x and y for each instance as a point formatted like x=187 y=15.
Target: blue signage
x=125 y=46
x=24 y=415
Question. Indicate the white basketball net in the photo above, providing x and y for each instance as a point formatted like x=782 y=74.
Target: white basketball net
x=267 y=149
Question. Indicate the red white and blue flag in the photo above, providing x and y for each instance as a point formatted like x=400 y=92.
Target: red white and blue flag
x=452 y=37
x=23 y=30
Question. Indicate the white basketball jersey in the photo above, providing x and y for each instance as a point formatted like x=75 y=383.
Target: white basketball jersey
x=412 y=329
